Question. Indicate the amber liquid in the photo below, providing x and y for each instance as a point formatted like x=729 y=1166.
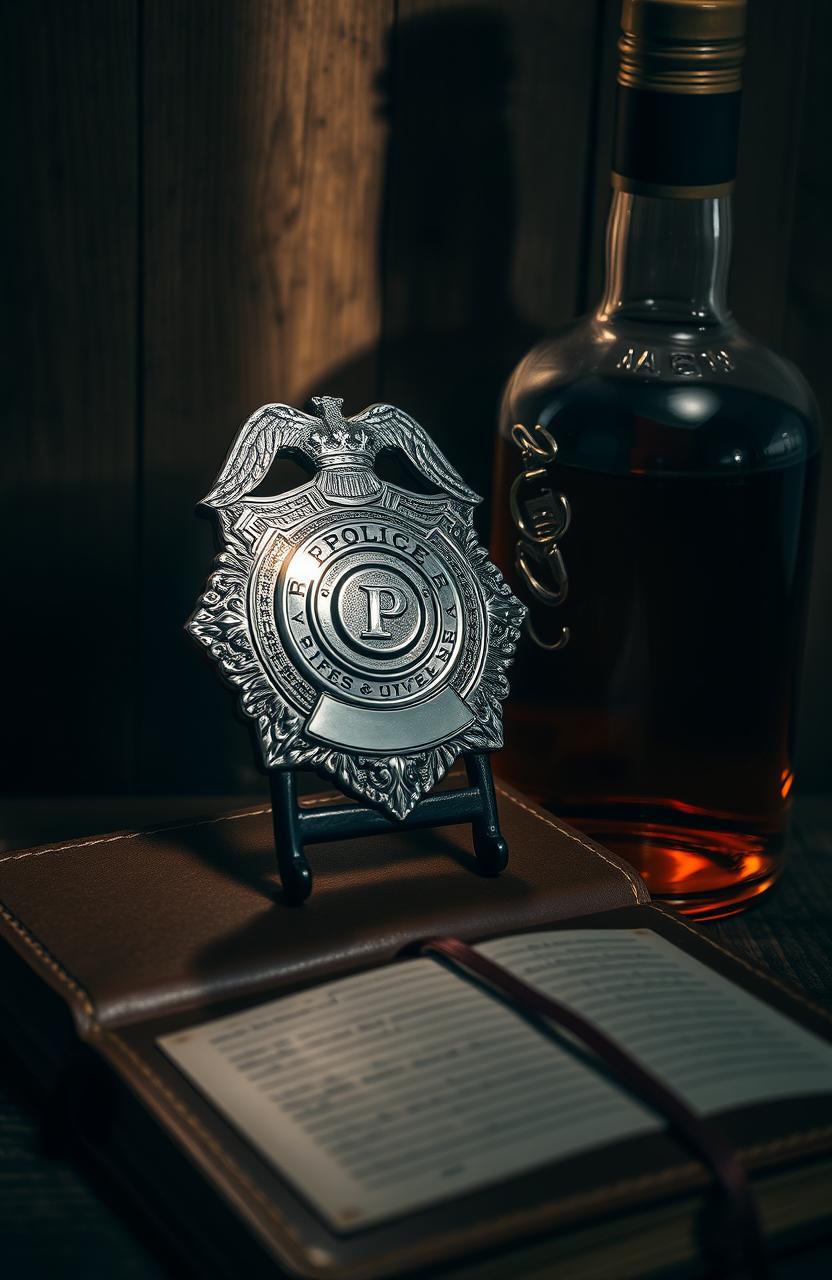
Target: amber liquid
x=664 y=727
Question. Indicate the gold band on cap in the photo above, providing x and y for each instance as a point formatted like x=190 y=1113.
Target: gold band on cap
x=637 y=188
x=682 y=46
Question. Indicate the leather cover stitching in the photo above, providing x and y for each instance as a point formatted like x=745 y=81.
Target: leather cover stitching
x=585 y=1200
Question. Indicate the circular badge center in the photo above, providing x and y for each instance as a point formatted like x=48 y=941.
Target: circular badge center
x=378 y=610
x=372 y=613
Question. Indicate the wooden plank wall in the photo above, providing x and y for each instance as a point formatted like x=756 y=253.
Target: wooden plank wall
x=262 y=159
x=221 y=202
x=807 y=339
x=68 y=393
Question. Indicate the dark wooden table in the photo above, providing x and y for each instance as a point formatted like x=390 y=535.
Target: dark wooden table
x=58 y=1220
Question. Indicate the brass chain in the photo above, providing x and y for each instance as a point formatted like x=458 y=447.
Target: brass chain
x=541 y=522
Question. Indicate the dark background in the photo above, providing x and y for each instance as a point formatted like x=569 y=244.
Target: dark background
x=209 y=204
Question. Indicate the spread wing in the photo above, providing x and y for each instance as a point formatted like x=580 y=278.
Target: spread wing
x=393 y=428
x=261 y=437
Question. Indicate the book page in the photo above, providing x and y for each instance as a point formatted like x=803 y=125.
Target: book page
x=382 y=1093
x=714 y=1043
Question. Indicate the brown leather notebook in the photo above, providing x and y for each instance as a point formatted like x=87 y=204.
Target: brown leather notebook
x=161 y=970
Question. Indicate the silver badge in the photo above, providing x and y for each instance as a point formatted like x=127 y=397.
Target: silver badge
x=363 y=625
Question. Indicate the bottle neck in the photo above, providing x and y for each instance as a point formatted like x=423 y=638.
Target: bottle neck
x=667 y=260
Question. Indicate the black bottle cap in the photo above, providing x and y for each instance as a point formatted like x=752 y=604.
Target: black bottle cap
x=679 y=82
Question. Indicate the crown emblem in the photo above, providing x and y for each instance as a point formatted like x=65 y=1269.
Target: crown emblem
x=338 y=442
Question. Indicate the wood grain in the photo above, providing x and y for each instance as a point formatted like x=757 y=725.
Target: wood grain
x=69 y=390
x=786 y=934
x=215 y=204
x=262 y=159
x=808 y=341
x=57 y=1221
x=770 y=130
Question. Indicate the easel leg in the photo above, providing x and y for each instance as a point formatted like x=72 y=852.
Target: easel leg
x=489 y=845
x=295 y=872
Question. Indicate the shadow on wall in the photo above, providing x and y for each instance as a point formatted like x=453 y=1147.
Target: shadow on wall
x=450 y=331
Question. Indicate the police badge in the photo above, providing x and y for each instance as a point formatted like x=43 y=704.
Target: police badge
x=363 y=626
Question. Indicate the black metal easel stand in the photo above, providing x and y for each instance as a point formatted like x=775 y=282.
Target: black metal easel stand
x=295 y=826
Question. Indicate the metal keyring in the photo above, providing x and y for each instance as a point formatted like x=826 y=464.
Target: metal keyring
x=539 y=543
x=558 y=569
x=526 y=442
x=548 y=536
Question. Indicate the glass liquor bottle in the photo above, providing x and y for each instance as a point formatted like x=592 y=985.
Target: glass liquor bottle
x=685 y=453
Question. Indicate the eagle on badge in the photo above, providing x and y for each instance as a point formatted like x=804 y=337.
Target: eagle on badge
x=336 y=445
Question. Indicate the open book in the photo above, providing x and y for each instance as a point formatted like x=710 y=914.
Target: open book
x=386 y=1092
x=297 y=1092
